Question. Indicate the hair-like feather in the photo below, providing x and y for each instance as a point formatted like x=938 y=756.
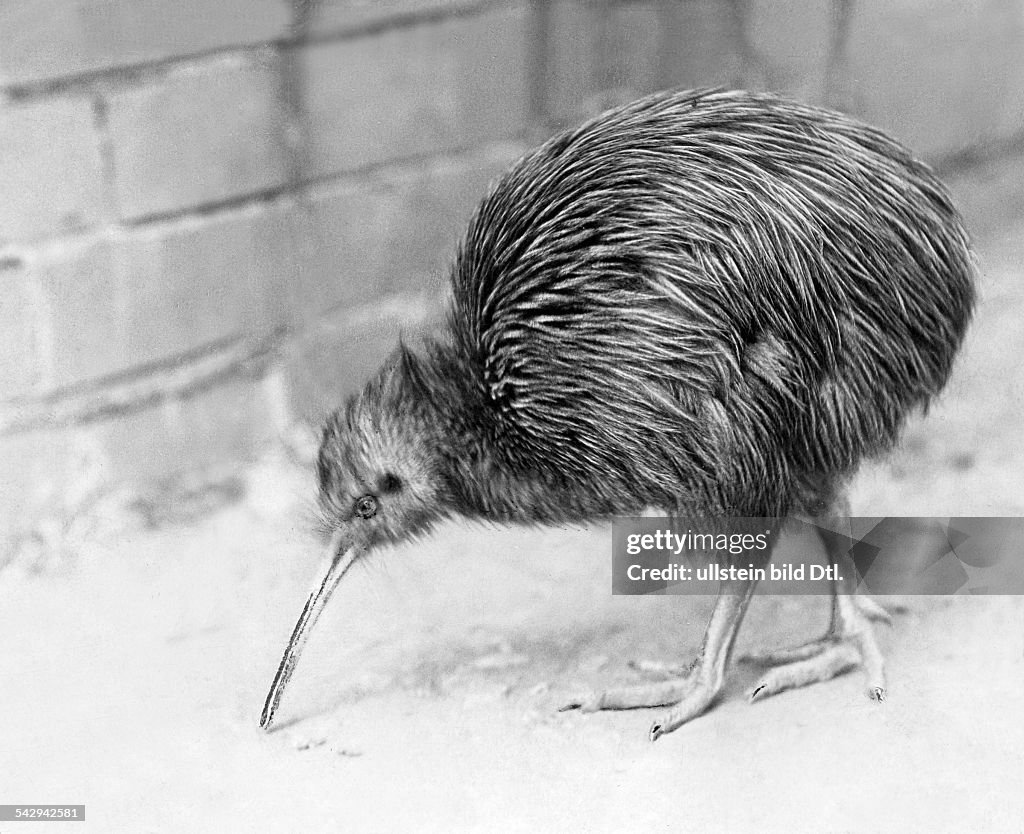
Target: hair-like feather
x=717 y=302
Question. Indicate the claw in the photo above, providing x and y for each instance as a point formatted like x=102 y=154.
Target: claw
x=656 y=731
x=584 y=703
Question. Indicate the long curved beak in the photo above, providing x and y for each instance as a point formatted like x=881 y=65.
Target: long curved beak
x=341 y=553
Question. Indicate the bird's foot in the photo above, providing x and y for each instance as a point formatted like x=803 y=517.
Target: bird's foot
x=687 y=691
x=850 y=642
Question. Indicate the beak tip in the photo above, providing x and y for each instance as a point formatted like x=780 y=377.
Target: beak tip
x=266 y=718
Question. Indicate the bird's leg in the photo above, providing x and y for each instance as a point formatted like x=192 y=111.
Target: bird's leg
x=694 y=691
x=708 y=671
x=775 y=657
x=848 y=642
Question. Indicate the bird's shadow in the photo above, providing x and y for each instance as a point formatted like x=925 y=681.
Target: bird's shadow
x=539 y=666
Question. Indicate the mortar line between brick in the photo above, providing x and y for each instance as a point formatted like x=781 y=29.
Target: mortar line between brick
x=134 y=73
x=126 y=75
x=362 y=176
x=308 y=235
x=837 y=81
x=959 y=162
x=406 y=20
x=670 y=37
x=603 y=70
x=367 y=176
x=539 y=66
x=108 y=166
x=975 y=157
x=750 y=61
x=140 y=388
x=292 y=93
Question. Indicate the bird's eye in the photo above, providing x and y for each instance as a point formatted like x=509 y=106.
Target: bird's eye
x=389 y=483
x=366 y=507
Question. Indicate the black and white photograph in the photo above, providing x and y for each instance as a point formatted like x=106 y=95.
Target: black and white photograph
x=512 y=416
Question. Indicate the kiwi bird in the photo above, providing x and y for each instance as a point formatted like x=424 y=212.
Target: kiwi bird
x=715 y=303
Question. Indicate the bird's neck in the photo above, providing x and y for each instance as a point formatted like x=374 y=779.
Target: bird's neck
x=485 y=478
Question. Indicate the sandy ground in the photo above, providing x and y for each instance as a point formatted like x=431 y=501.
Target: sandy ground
x=134 y=670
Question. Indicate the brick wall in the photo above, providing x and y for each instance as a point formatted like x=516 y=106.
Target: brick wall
x=218 y=214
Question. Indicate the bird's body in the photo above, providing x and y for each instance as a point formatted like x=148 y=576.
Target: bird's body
x=713 y=303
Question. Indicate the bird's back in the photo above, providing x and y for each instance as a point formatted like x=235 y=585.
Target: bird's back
x=709 y=298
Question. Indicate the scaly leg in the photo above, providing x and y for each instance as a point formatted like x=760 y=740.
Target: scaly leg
x=849 y=641
x=695 y=691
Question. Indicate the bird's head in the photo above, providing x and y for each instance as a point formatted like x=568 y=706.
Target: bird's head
x=380 y=477
x=381 y=480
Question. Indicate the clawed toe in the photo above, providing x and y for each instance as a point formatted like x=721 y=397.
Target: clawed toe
x=688 y=696
x=849 y=643
x=696 y=701
x=583 y=703
x=832 y=660
x=657 y=731
x=658 y=694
